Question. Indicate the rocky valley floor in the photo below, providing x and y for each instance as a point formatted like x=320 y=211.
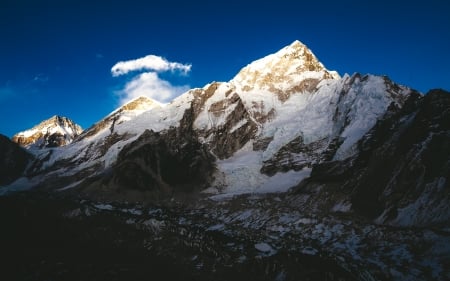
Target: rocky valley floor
x=242 y=238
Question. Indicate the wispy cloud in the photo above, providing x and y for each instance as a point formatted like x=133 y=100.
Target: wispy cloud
x=149 y=83
x=151 y=63
x=99 y=56
x=40 y=78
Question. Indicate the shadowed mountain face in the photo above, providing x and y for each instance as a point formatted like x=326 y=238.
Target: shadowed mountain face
x=13 y=160
x=157 y=165
x=401 y=174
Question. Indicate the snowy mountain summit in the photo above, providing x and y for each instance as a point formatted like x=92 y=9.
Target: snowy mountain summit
x=292 y=69
x=55 y=131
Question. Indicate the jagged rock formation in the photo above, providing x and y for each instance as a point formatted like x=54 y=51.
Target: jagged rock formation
x=401 y=174
x=53 y=132
x=123 y=113
x=13 y=160
x=158 y=165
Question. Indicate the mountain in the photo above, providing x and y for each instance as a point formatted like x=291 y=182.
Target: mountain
x=53 y=132
x=261 y=131
x=264 y=130
x=288 y=171
x=281 y=119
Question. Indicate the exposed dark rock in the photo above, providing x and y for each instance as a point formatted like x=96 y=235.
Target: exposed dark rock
x=404 y=162
x=201 y=96
x=332 y=171
x=158 y=164
x=295 y=155
x=168 y=161
x=262 y=143
x=55 y=140
x=237 y=130
x=13 y=160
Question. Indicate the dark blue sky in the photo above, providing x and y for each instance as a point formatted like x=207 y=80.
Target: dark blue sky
x=56 y=56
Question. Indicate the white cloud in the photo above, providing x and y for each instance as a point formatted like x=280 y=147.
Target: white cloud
x=150 y=62
x=150 y=85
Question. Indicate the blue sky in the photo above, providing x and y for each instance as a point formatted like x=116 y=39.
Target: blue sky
x=56 y=56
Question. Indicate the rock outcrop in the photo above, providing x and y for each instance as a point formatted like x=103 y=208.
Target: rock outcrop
x=53 y=132
x=401 y=175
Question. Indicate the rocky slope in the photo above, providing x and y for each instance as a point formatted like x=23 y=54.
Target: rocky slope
x=400 y=176
x=53 y=132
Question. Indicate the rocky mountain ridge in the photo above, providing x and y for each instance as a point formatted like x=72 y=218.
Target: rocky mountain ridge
x=53 y=132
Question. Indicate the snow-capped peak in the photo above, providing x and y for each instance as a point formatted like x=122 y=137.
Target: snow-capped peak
x=55 y=131
x=140 y=103
x=125 y=113
x=293 y=69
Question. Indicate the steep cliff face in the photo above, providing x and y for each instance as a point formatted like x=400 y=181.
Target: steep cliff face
x=53 y=132
x=405 y=165
x=400 y=176
x=157 y=165
x=13 y=160
x=122 y=114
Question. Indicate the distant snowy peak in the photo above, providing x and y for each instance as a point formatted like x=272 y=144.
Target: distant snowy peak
x=126 y=112
x=53 y=132
x=292 y=69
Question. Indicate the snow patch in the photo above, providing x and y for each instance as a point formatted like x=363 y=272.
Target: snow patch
x=265 y=248
x=106 y=207
x=216 y=227
x=70 y=186
x=238 y=125
x=342 y=207
x=21 y=184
